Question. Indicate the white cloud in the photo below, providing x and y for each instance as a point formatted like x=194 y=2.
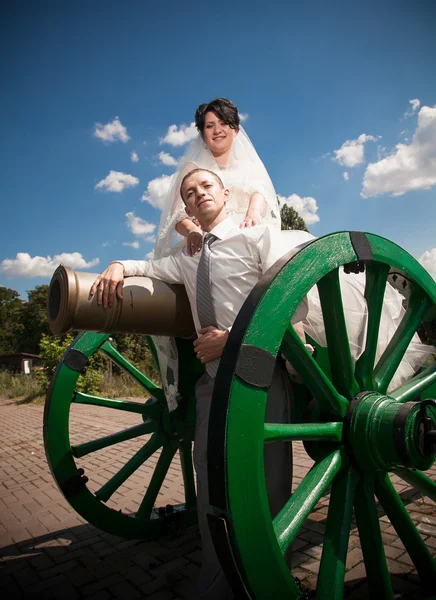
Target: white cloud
x=306 y=207
x=411 y=167
x=132 y=244
x=428 y=261
x=134 y=157
x=167 y=159
x=25 y=265
x=415 y=104
x=139 y=227
x=117 y=182
x=157 y=189
x=150 y=255
x=346 y=175
x=352 y=152
x=111 y=132
x=179 y=136
x=243 y=117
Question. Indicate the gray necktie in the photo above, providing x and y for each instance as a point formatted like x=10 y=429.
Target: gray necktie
x=205 y=307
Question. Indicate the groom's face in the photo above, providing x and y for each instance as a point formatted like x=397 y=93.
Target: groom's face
x=203 y=195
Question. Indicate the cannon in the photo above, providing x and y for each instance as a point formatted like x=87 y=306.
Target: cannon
x=358 y=434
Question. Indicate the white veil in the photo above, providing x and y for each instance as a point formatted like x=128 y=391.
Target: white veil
x=244 y=172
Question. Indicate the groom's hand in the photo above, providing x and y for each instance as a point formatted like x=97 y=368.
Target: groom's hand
x=210 y=344
x=109 y=283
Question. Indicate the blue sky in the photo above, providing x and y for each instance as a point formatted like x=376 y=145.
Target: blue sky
x=327 y=88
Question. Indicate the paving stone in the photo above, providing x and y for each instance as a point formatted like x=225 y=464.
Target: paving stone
x=51 y=552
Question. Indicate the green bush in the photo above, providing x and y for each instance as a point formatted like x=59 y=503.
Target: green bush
x=51 y=350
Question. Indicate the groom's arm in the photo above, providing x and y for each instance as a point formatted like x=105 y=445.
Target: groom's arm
x=111 y=281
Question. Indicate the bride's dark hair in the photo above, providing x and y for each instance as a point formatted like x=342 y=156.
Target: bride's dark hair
x=224 y=110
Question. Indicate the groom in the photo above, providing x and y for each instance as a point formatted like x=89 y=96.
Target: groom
x=217 y=281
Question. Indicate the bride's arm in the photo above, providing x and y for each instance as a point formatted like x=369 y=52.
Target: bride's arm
x=193 y=235
x=185 y=226
x=255 y=211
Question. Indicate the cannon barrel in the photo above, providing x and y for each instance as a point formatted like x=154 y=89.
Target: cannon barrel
x=149 y=306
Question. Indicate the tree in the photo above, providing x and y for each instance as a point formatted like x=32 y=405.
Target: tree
x=10 y=326
x=291 y=219
x=33 y=320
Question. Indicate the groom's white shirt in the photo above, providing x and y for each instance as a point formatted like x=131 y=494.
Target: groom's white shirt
x=239 y=258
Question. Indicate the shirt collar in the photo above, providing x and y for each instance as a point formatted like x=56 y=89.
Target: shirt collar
x=222 y=229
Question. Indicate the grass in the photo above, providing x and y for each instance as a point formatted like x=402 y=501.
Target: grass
x=25 y=388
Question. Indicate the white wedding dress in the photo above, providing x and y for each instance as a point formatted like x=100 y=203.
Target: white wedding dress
x=245 y=174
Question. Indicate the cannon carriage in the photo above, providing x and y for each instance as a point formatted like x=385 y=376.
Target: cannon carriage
x=357 y=433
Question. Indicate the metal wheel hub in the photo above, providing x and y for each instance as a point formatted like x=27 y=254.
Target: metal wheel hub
x=383 y=434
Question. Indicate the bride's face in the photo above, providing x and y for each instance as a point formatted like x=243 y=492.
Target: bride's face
x=217 y=135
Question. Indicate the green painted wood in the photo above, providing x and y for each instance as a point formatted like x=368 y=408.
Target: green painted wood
x=392 y=356
x=341 y=363
x=131 y=433
x=332 y=381
x=418 y=384
x=379 y=581
x=132 y=465
x=135 y=373
x=418 y=480
x=292 y=516
x=329 y=399
x=165 y=430
x=421 y=556
x=140 y=408
x=315 y=432
x=376 y=279
x=331 y=576
x=168 y=451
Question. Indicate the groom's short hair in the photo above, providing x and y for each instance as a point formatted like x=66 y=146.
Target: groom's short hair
x=224 y=110
x=217 y=177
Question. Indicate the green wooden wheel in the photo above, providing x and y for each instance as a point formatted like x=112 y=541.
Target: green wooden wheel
x=356 y=433
x=156 y=431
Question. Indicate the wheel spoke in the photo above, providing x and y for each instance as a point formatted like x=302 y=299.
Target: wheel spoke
x=144 y=453
x=376 y=278
x=418 y=480
x=400 y=519
x=185 y=449
x=150 y=426
x=292 y=516
x=314 y=432
x=379 y=580
x=150 y=409
x=157 y=479
x=334 y=554
x=139 y=377
x=389 y=362
x=341 y=363
x=416 y=385
x=313 y=376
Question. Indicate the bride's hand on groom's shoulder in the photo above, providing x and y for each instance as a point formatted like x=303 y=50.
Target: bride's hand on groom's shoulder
x=194 y=242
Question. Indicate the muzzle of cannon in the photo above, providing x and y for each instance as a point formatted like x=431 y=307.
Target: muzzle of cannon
x=149 y=306
x=361 y=437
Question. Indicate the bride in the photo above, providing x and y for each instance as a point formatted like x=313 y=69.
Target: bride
x=221 y=146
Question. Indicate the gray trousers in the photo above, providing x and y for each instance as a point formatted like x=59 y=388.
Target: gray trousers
x=213 y=584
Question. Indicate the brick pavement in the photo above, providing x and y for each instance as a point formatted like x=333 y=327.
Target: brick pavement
x=48 y=551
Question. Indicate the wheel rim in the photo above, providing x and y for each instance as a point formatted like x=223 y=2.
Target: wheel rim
x=167 y=432
x=337 y=428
